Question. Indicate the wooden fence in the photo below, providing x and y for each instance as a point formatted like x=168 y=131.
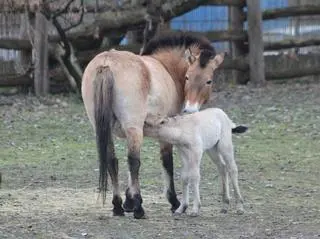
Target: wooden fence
x=247 y=56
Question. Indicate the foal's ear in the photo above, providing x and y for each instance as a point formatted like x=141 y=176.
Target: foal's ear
x=189 y=57
x=217 y=60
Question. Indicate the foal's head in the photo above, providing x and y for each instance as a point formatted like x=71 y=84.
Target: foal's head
x=199 y=77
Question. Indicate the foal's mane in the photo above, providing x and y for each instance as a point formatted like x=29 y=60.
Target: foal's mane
x=175 y=40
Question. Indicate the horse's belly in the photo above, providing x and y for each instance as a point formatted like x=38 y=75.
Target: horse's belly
x=167 y=103
x=117 y=130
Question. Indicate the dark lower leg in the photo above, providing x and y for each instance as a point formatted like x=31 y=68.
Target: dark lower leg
x=113 y=172
x=117 y=206
x=133 y=197
x=116 y=201
x=167 y=163
x=128 y=204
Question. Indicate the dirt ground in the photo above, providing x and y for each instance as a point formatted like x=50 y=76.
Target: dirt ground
x=49 y=171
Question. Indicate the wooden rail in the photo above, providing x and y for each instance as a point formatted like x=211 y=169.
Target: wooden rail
x=242 y=59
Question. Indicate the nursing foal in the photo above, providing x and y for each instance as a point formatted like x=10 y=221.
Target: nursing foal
x=207 y=131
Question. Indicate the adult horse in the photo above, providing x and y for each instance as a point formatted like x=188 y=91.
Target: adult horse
x=120 y=89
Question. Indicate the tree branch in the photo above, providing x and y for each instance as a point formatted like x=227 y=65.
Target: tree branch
x=129 y=18
x=79 y=20
x=63 y=10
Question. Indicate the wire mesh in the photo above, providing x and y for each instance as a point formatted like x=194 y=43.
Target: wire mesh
x=213 y=18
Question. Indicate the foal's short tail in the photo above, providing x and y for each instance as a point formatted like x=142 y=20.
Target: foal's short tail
x=103 y=94
x=239 y=129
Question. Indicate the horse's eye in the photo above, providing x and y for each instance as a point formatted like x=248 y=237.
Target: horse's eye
x=209 y=82
x=187 y=78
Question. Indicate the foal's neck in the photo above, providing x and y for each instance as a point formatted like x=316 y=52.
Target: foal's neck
x=176 y=66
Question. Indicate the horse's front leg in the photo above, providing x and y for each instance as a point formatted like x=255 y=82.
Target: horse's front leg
x=133 y=200
x=167 y=163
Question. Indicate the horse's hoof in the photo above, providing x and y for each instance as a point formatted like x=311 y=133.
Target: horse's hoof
x=175 y=206
x=139 y=214
x=118 y=211
x=128 y=205
x=223 y=210
x=128 y=209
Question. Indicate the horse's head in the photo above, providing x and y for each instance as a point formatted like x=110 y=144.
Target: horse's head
x=199 y=77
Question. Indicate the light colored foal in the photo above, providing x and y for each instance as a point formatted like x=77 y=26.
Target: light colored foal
x=209 y=131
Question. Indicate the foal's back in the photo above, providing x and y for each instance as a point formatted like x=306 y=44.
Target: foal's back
x=212 y=125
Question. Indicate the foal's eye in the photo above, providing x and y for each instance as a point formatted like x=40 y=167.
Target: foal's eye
x=187 y=78
x=209 y=82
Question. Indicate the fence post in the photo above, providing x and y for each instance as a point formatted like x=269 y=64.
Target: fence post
x=256 y=59
x=236 y=23
x=41 y=82
x=24 y=61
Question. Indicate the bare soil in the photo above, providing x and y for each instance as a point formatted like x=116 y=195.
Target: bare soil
x=49 y=171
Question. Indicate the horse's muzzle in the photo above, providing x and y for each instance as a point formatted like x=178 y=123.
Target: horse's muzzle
x=190 y=108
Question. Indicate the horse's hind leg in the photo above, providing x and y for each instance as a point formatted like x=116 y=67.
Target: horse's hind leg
x=113 y=172
x=167 y=163
x=133 y=197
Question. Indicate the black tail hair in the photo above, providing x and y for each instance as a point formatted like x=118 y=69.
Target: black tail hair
x=103 y=94
x=239 y=129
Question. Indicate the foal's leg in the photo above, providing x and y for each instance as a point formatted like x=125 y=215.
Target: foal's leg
x=194 y=175
x=113 y=172
x=218 y=160
x=185 y=185
x=228 y=156
x=167 y=163
x=133 y=197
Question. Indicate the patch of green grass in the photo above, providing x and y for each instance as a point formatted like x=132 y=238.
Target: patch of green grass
x=278 y=158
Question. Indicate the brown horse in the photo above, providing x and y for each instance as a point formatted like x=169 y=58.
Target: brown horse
x=121 y=89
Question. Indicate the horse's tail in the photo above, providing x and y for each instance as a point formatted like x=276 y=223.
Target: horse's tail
x=239 y=129
x=103 y=94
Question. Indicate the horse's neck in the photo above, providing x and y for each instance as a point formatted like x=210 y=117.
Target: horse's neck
x=175 y=65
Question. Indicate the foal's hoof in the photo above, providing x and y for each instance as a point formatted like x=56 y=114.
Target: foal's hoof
x=177 y=214
x=223 y=210
x=194 y=214
x=139 y=214
x=240 y=211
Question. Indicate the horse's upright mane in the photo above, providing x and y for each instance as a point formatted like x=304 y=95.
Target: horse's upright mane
x=173 y=40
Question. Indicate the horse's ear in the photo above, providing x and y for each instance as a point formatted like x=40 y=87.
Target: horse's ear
x=217 y=60
x=189 y=57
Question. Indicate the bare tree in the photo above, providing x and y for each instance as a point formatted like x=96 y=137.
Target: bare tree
x=109 y=23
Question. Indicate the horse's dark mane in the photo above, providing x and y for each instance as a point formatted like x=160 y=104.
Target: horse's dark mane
x=181 y=39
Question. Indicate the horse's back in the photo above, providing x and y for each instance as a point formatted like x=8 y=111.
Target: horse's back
x=130 y=86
